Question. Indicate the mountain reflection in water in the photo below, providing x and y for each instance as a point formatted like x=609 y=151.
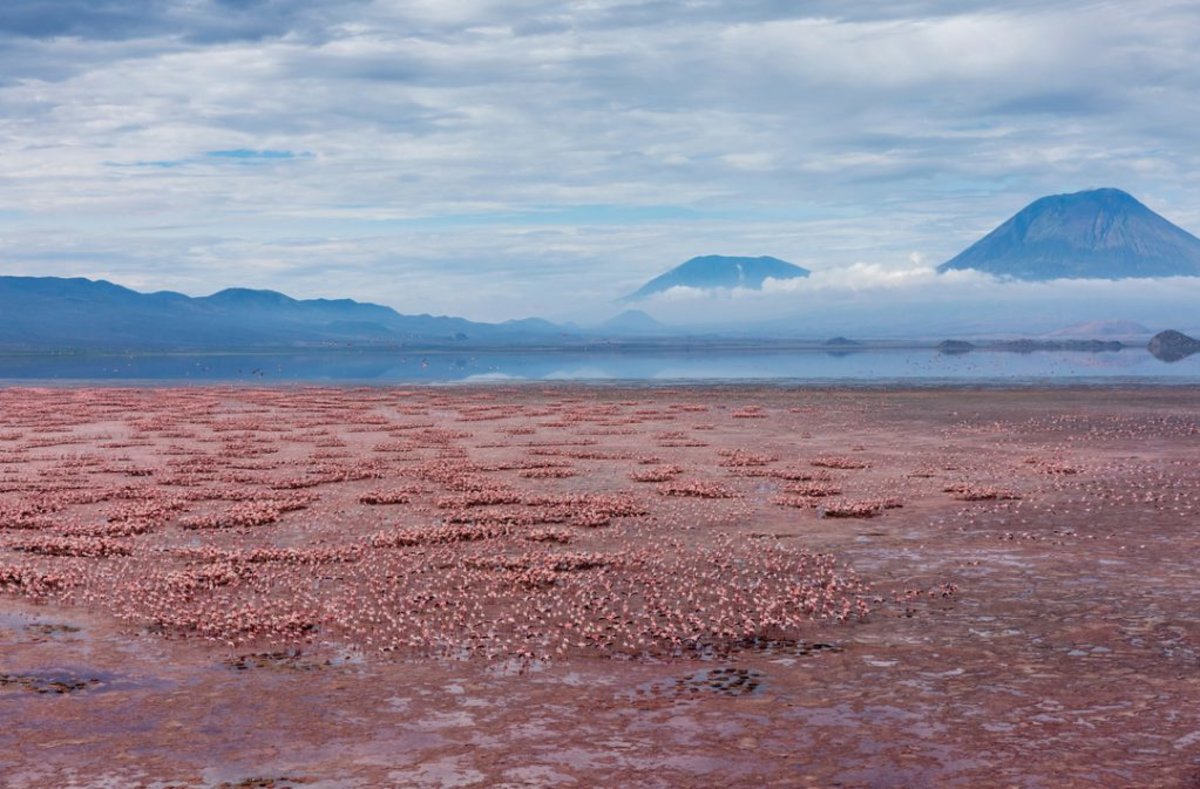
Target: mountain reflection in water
x=861 y=367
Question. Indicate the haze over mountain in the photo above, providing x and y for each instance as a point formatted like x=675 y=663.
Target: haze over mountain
x=1096 y=234
x=1110 y=329
x=43 y=313
x=720 y=271
x=633 y=323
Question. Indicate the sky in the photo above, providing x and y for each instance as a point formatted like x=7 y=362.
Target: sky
x=534 y=157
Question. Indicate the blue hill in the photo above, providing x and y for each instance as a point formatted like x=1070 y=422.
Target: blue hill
x=51 y=313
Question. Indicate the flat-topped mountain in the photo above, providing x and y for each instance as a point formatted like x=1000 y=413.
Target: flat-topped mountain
x=1113 y=328
x=720 y=271
x=51 y=313
x=1097 y=234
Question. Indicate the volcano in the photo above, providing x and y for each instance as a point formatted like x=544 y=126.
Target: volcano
x=719 y=271
x=1097 y=234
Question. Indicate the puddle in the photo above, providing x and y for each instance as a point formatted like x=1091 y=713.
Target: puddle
x=51 y=682
x=34 y=624
x=62 y=680
x=10 y=621
x=515 y=667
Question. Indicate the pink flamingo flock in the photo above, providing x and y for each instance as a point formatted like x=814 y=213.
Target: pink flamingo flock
x=500 y=522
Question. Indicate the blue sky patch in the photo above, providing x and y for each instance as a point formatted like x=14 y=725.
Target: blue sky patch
x=248 y=154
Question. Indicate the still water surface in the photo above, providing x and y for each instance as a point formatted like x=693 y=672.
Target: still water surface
x=866 y=367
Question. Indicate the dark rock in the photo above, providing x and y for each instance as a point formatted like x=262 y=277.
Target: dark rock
x=955 y=346
x=1171 y=345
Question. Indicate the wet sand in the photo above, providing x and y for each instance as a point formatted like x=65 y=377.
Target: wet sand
x=370 y=587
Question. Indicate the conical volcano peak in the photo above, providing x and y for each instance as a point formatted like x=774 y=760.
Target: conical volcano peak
x=1104 y=200
x=1099 y=233
x=1105 y=194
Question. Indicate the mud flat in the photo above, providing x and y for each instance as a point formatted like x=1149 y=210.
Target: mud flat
x=573 y=586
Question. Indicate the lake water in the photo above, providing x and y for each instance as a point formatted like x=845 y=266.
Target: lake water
x=814 y=367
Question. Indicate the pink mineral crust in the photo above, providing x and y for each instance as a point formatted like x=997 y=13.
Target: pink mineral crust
x=539 y=586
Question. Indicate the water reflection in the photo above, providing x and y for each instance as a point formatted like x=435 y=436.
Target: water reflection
x=843 y=365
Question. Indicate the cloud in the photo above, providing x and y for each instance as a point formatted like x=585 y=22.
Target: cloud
x=838 y=282
x=874 y=276
x=199 y=21
x=897 y=301
x=247 y=154
x=445 y=155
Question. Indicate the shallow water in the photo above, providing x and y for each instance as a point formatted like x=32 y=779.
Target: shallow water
x=1044 y=637
x=909 y=366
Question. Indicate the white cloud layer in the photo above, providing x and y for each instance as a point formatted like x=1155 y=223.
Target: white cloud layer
x=868 y=300
x=497 y=159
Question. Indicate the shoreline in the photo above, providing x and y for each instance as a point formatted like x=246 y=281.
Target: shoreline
x=1106 y=383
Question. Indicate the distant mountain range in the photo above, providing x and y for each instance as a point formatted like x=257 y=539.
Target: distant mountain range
x=720 y=271
x=1096 y=234
x=46 y=313
x=1104 y=233
x=52 y=315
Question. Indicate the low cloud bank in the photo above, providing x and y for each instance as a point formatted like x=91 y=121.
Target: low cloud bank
x=914 y=300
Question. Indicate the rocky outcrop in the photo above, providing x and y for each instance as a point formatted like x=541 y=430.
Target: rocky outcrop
x=955 y=346
x=1171 y=345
